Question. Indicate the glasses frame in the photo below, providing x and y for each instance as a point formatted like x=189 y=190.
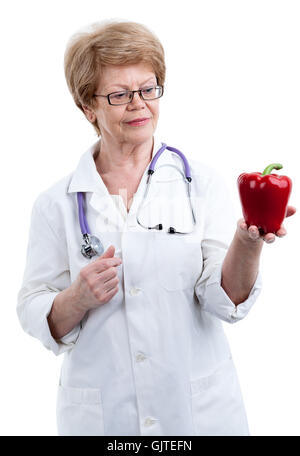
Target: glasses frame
x=132 y=92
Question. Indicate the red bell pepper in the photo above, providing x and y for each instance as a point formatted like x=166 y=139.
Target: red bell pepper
x=264 y=198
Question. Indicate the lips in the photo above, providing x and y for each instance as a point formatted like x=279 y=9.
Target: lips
x=140 y=121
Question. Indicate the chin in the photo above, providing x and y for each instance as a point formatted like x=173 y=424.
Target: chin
x=140 y=135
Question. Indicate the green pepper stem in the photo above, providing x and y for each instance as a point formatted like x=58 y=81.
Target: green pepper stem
x=270 y=168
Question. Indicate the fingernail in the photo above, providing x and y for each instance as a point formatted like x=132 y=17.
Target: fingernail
x=253 y=234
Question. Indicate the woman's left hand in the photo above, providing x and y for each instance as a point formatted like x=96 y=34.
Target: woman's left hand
x=252 y=233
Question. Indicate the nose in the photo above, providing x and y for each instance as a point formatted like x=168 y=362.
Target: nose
x=137 y=101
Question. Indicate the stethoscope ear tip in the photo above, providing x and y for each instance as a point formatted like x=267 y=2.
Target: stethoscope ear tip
x=156 y=227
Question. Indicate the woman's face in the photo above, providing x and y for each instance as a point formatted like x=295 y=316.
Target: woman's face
x=113 y=120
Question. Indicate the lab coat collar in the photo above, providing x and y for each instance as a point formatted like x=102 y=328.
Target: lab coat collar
x=86 y=177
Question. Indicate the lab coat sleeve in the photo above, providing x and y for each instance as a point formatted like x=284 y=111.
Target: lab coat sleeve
x=46 y=274
x=219 y=227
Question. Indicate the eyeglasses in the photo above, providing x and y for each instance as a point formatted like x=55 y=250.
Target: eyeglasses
x=125 y=97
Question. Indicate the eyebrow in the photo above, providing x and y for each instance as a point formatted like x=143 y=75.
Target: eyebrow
x=124 y=86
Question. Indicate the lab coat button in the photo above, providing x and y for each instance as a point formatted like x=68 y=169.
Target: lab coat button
x=149 y=422
x=234 y=315
x=134 y=291
x=140 y=357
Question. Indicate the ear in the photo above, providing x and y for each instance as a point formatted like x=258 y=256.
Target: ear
x=89 y=113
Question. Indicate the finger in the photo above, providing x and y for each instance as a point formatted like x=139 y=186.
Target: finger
x=111 y=284
x=110 y=294
x=108 y=274
x=269 y=238
x=281 y=232
x=253 y=232
x=242 y=225
x=290 y=211
x=109 y=253
x=106 y=263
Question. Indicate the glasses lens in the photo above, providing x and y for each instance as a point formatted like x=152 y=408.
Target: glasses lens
x=119 y=98
x=152 y=92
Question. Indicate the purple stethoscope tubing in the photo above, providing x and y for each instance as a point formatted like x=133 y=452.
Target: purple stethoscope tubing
x=172 y=149
x=85 y=230
x=82 y=218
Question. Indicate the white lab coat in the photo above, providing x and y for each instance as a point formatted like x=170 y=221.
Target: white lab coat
x=154 y=360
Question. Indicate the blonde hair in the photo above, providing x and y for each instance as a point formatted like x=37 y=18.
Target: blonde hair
x=108 y=43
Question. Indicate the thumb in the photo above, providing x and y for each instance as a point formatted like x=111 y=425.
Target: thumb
x=109 y=252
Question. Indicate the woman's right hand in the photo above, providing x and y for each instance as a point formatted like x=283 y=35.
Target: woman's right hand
x=97 y=282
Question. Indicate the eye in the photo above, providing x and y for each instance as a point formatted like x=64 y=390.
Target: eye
x=119 y=95
x=148 y=90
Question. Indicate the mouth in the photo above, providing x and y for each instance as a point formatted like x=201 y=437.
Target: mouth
x=138 y=122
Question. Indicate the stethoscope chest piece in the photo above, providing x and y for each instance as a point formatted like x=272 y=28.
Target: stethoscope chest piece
x=92 y=247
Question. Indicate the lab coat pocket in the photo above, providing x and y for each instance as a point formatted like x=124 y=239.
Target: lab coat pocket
x=178 y=260
x=217 y=403
x=79 y=411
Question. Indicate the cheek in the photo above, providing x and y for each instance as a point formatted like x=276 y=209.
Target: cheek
x=154 y=109
x=110 y=118
x=156 y=115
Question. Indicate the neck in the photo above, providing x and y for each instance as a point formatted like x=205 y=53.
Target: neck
x=115 y=157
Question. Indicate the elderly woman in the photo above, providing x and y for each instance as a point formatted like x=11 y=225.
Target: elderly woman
x=131 y=268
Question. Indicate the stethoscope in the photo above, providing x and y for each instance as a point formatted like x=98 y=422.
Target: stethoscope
x=93 y=246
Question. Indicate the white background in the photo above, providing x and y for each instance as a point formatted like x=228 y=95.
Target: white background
x=232 y=100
